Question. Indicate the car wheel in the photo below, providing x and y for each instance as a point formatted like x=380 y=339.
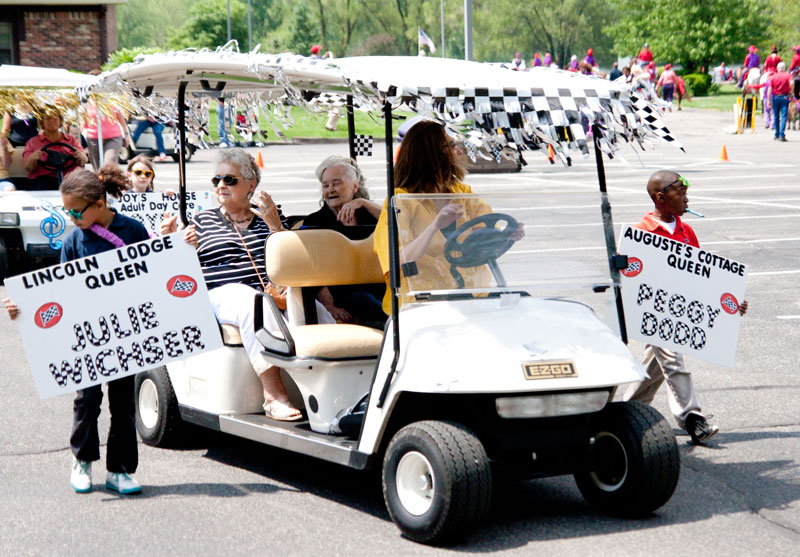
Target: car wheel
x=633 y=464
x=187 y=154
x=3 y=260
x=437 y=481
x=157 y=415
x=125 y=154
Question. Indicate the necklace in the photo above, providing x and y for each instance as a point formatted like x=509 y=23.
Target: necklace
x=236 y=221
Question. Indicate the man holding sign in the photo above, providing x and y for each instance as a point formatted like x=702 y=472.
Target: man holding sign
x=668 y=190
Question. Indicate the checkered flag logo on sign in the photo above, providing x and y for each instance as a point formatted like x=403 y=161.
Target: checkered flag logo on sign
x=634 y=267
x=181 y=286
x=48 y=315
x=363 y=145
x=729 y=303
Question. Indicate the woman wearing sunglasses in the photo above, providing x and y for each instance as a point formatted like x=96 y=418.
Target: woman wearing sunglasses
x=230 y=245
x=99 y=228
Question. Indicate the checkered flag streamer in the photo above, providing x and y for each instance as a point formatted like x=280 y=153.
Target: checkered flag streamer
x=363 y=145
x=49 y=314
x=182 y=286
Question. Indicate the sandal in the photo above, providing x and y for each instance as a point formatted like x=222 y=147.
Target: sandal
x=281 y=411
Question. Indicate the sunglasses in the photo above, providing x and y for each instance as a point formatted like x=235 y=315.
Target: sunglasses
x=77 y=215
x=680 y=181
x=228 y=180
x=145 y=173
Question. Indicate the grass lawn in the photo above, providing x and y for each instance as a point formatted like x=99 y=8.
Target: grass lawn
x=723 y=101
x=313 y=125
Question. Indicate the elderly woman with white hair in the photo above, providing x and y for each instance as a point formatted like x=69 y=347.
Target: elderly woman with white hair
x=230 y=243
x=346 y=208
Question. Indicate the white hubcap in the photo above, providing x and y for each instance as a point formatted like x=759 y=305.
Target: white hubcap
x=148 y=403
x=415 y=483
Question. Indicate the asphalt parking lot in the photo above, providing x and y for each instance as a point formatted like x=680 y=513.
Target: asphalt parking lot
x=220 y=495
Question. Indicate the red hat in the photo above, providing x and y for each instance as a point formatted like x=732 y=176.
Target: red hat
x=315 y=49
x=589 y=52
x=668 y=66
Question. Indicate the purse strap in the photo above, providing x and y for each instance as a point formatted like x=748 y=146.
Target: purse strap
x=246 y=249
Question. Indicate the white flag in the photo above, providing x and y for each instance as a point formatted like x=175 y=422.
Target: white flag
x=423 y=40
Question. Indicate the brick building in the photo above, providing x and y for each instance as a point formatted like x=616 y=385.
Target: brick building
x=73 y=34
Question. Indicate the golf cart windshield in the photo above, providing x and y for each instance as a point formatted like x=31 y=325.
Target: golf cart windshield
x=544 y=244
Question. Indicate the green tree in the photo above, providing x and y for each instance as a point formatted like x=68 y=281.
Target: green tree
x=695 y=33
x=144 y=23
x=207 y=25
x=785 y=26
x=302 y=33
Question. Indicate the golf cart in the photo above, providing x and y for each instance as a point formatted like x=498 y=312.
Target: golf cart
x=31 y=229
x=501 y=357
x=147 y=145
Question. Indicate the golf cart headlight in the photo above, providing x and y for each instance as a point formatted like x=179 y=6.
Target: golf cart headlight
x=543 y=406
x=9 y=219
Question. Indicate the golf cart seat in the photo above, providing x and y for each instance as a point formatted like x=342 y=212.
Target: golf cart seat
x=315 y=258
x=230 y=335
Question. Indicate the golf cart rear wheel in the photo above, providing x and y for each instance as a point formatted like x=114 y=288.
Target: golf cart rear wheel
x=125 y=154
x=437 y=482
x=633 y=464
x=187 y=154
x=157 y=415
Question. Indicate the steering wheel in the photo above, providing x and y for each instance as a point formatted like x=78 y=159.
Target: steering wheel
x=56 y=160
x=482 y=246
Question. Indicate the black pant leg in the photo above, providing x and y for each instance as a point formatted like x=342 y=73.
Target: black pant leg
x=84 y=440
x=123 y=452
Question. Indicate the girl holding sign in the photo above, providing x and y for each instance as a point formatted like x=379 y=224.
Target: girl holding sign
x=99 y=228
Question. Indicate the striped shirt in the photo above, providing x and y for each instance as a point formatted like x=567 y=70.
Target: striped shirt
x=222 y=255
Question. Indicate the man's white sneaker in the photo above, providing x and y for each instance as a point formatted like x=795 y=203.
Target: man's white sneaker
x=81 y=477
x=121 y=482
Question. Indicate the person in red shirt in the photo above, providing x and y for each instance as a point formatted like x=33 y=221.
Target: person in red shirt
x=781 y=83
x=645 y=55
x=794 y=70
x=36 y=149
x=668 y=190
x=771 y=63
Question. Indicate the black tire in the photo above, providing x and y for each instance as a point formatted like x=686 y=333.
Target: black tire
x=3 y=260
x=634 y=463
x=188 y=152
x=157 y=416
x=459 y=481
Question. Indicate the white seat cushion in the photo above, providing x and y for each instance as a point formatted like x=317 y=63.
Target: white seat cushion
x=231 y=335
x=336 y=341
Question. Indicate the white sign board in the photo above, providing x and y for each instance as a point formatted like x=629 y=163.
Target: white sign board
x=682 y=298
x=149 y=207
x=106 y=316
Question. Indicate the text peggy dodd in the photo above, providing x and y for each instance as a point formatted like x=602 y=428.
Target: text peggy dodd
x=149 y=207
x=105 y=316
x=680 y=297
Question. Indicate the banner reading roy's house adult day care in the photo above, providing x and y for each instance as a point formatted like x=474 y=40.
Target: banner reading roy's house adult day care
x=114 y=314
x=682 y=298
x=149 y=207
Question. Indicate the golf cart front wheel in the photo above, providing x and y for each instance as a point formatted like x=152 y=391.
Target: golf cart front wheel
x=437 y=482
x=157 y=415
x=633 y=463
x=187 y=154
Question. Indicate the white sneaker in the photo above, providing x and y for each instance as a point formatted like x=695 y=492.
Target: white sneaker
x=81 y=477
x=122 y=483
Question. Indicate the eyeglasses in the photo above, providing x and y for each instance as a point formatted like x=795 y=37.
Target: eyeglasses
x=145 y=173
x=679 y=181
x=77 y=215
x=228 y=180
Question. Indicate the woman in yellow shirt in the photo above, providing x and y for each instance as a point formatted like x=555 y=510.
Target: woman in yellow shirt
x=429 y=162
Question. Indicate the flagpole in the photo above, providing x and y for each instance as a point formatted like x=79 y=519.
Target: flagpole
x=441 y=18
x=419 y=46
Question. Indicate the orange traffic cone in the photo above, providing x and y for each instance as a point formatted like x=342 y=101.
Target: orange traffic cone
x=260 y=160
x=723 y=156
x=551 y=154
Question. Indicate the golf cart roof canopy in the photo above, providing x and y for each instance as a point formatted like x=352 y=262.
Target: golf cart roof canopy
x=491 y=107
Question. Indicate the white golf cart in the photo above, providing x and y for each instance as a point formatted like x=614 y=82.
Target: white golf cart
x=31 y=228
x=499 y=357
